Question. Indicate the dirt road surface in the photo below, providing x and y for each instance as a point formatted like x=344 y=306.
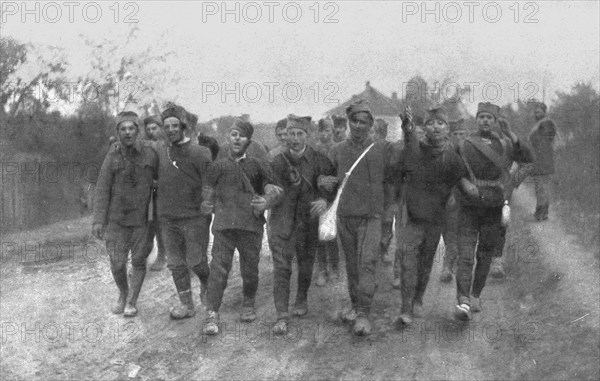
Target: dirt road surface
x=542 y=322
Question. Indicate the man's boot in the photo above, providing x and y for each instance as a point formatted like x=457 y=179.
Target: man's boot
x=538 y=213
x=301 y=305
x=120 y=277
x=497 y=269
x=248 y=314
x=185 y=309
x=137 y=279
x=362 y=325
x=545 y=212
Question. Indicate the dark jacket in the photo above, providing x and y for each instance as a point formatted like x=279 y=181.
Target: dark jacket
x=542 y=139
x=485 y=169
x=429 y=174
x=124 y=185
x=363 y=195
x=182 y=173
x=295 y=206
x=234 y=185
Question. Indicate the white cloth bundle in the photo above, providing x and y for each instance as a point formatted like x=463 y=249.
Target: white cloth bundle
x=328 y=220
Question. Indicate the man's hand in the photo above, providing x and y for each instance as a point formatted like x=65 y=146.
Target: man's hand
x=273 y=190
x=98 y=231
x=259 y=204
x=406 y=118
x=206 y=207
x=328 y=182
x=318 y=207
x=469 y=189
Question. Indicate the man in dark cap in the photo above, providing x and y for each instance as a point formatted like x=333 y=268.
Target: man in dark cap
x=458 y=134
x=294 y=219
x=182 y=174
x=430 y=168
x=121 y=206
x=155 y=134
x=482 y=232
x=281 y=133
x=241 y=188
x=340 y=125
x=542 y=139
x=360 y=210
x=328 y=256
x=255 y=149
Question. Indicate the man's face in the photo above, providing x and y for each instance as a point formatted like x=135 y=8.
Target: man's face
x=436 y=130
x=128 y=133
x=459 y=136
x=153 y=131
x=297 y=139
x=325 y=134
x=539 y=113
x=174 y=129
x=237 y=142
x=282 y=136
x=485 y=121
x=360 y=126
x=339 y=130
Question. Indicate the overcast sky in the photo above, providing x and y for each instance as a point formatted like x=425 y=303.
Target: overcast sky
x=383 y=42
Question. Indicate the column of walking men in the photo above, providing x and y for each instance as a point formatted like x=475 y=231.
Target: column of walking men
x=441 y=181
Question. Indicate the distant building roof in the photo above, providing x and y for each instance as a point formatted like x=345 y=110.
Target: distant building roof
x=381 y=105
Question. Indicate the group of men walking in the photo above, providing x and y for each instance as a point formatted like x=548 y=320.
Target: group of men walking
x=436 y=182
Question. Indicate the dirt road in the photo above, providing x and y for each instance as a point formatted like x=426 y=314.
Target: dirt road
x=542 y=322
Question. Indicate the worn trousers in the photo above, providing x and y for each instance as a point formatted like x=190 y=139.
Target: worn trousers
x=417 y=243
x=360 y=238
x=450 y=234
x=542 y=190
x=301 y=245
x=479 y=228
x=225 y=242
x=120 y=240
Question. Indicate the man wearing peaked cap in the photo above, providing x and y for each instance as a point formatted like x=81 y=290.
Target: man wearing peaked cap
x=482 y=234
x=182 y=175
x=360 y=210
x=294 y=219
x=122 y=197
x=429 y=169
